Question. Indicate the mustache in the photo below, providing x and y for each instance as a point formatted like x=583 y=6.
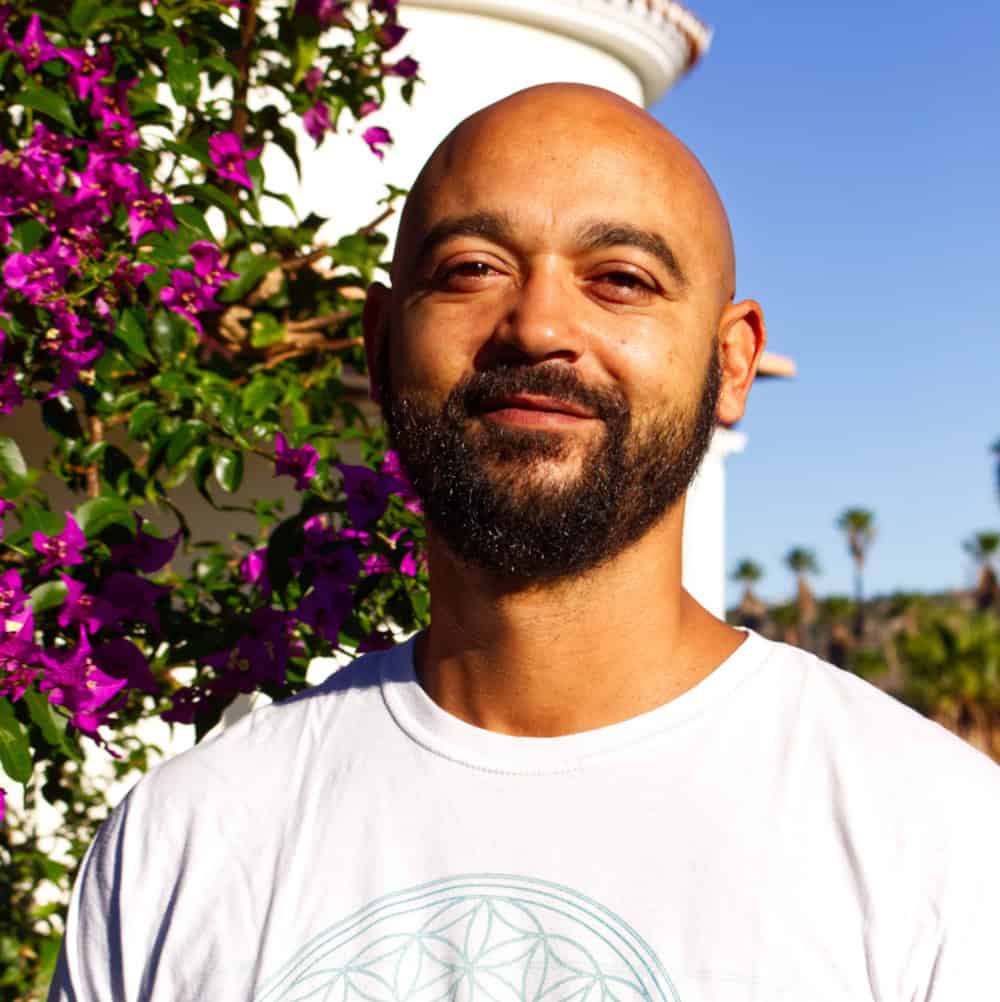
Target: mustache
x=557 y=380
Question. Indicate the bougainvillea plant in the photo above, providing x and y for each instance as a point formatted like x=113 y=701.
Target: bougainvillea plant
x=159 y=338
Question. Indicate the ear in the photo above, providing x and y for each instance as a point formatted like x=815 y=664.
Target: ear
x=375 y=324
x=742 y=337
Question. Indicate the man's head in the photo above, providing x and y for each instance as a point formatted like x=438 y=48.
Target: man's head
x=560 y=337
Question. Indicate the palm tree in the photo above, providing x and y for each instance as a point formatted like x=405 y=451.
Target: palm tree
x=748 y=572
x=859 y=525
x=984 y=548
x=803 y=563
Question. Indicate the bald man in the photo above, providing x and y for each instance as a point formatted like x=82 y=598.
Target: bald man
x=577 y=785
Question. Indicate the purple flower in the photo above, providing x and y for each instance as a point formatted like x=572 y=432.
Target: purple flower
x=391 y=467
x=134 y=598
x=299 y=463
x=207 y=260
x=390 y=35
x=186 y=704
x=19 y=657
x=10 y=396
x=3 y=804
x=376 y=137
x=327 y=12
x=110 y=103
x=120 y=658
x=253 y=570
x=316 y=121
x=260 y=657
x=377 y=641
x=117 y=141
x=12 y=595
x=312 y=79
x=146 y=552
x=87 y=69
x=230 y=158
x=326 y=608
x=384 y=6
x=89 y=611
x=63 y=550
x=149 y=212
x=188 y=297
x=367 y=493
x=36 y=48
x=74 y=680
x=406 y=67
x=130 y=275
x=35 y=275
x=367 y=107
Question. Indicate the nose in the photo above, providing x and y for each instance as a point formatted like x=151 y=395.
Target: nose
x=539 y=323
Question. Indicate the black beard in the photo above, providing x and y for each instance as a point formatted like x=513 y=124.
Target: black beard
x=473 y=476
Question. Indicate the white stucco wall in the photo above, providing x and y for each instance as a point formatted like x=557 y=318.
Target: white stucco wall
x=467 y=61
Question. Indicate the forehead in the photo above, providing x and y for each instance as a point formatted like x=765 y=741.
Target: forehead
x=550 y=183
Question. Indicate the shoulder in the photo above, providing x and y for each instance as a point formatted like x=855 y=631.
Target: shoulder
x=264 y=754
x=901 y=754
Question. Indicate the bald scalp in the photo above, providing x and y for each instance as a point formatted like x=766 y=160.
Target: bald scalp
x=574 y=123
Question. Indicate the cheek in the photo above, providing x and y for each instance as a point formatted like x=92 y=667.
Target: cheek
x=650 y=359
x=434 y=345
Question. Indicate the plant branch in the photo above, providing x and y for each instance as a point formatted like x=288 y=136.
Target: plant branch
x=95 y=429
x=241 y=60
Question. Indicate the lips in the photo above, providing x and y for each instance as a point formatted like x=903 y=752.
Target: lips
x=534 y=402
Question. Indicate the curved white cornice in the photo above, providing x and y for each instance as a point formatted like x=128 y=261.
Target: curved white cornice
x=658 y=39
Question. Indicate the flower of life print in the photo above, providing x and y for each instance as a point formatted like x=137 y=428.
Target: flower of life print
x=476 y=938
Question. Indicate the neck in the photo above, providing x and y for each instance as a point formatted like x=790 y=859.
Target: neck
x=568 y=656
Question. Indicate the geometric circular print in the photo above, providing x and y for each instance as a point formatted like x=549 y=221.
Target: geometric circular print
x=476 y=938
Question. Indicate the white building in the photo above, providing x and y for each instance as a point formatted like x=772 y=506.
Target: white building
x=474 y=52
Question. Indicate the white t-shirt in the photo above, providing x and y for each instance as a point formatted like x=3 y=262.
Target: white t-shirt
x=782 y=832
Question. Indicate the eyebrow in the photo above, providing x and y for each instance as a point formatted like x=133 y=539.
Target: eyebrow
x=498 y=228
x=492 y=226
x=600 y=234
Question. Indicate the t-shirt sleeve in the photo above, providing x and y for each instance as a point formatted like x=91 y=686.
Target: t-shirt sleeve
x=964 y=960
x=90 y=964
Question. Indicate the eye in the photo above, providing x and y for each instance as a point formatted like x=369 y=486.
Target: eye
x=465 y=276
x=623 y=286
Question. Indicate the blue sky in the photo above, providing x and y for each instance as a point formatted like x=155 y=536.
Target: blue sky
x=857 y=147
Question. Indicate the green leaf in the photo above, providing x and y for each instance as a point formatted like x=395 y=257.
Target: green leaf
x=143 y=418
x=52 y=727
x=95 y=515
x=221 y=65
x=229 y=470
x=184 y=439
x=213 y=195
x=251 y=268
x=83 y=14
x=47 y=596
x=260 y=394
x=189 y=216
x=60 y=415
x=15 y=750
x=131 y=331
x=12 y=464
x=202 y=471
x=182 y=73
x=49 y=103
x=356 y=250
x=27 y=236
x=266 y=329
